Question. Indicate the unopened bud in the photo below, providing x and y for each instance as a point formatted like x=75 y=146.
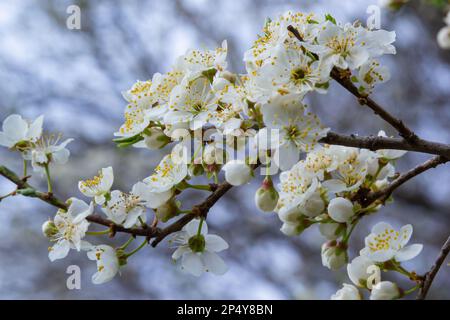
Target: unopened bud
x=49 y=229
x=334 y=255
x=167 y=211
x=266 y=197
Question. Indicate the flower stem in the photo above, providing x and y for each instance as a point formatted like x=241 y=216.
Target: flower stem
x=411 y=290
x=199 y=187
x=137 y=249
x=25 y=167
x=126 y=244
x=97 y=233
x=49 y=181
x=200 y=225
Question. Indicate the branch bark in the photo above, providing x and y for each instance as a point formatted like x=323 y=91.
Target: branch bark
x=430 y=275
x=376 y=143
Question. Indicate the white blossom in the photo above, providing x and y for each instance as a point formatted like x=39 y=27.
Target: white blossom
x=385 y=290
x=443 y=37
x=347 y=292
x=340 y=209
x=357 y=270
x=237 y=172
x=99 y=186
x=71 y=227
x=198 y=252
x=46 y=150
x=290 y=129
x=20 y=133
x=385 y=243
x=107 y=263
x=170 y=172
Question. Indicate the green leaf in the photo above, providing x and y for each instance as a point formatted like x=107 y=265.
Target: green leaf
x=329 y=17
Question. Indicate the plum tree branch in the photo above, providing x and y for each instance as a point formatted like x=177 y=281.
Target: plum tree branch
x=384 y=194
x=376 y=143
x=343 y=78
x=430 y=275
x=25 y=189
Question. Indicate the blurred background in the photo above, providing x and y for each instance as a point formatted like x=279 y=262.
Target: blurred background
x=75 y=77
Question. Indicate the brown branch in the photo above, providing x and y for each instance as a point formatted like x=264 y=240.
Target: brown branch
x=377 y=143
x=343 y=78
x=430 y=275
x=27 y=190
x=200 y=210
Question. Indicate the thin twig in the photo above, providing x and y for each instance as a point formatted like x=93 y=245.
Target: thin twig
x=430 y=275
x=385 y=193
x=343 y=78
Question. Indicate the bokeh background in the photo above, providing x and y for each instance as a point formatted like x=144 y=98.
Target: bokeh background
x=74 y=78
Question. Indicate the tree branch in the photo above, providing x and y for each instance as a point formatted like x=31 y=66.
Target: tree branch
x=343 y=78
x=27 y=190
x=430 y=275
x=377 y=143
x=385 y=193
x=200 y=210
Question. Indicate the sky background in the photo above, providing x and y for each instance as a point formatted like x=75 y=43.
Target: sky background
x=75 y=77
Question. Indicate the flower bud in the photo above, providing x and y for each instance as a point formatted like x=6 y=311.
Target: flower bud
x=167 y=211
x=237 y=172
x=357 y=270
x=196 y=170
x=348 y=292
x=443 y=37
x=340 y=209
x=334 y=255
x=331 y=231
x=266 y=197
x=392 y=4
x=385 y=290
x=49 y=229
x=314 y=206
x=296 y=226
x=155 y=138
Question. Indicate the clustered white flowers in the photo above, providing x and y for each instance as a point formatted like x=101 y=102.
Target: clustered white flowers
x=212 y=120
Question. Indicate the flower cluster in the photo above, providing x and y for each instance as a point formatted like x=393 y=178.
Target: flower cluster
x=212 y=120
x=385 y=249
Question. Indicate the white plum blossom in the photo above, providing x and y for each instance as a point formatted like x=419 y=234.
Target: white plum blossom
x=289 y=129
x=196 y=62
x=385 y=290
x=295 y=189
x=191 y=102
x=107 y=263
x=370 y=74
x=128 y=208
x=357 y=270
x=350 y=46
x=71 y=227
x=198 y=251
x=170 y=172
x=99 y=186
x=385 y=243
x=237 y=172
x=340 y=209
x=46 y=150
x=347 y=292
x=20 y=133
